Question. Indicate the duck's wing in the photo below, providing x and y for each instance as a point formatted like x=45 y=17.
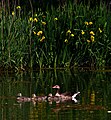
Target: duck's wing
x=66 y=94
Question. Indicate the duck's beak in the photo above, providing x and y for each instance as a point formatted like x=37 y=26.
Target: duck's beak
x=56 y=86
x=53 y=87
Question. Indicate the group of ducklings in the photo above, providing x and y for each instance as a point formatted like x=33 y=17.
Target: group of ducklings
x=50 y=98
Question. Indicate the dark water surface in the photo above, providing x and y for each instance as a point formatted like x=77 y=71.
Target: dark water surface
x=94 y=101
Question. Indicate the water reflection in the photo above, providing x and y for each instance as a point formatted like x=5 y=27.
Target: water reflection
x=94 y=100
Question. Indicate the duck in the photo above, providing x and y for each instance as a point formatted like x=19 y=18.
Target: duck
x=58 y=88
x=57 y=92
x=21 y=98
x=38 y=98
x=65 y=96
x=62 y=94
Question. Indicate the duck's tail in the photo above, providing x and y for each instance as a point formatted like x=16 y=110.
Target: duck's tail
x=74 y=96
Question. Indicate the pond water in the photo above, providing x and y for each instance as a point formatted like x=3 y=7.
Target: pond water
x=94 y=101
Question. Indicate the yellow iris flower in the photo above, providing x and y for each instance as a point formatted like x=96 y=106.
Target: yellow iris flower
x=90 y=23
x=31 y=19
x=43 y=23
x=13 y=13
x=39 y=33
x=68 y=32
x=100 y=30
x=92 y=33
x=18 y=7
x=72 y=35
x=34 y=32
x=56 y=19
x=92 y=38
x=66 y=40
x=82 y=32
x=86 y=23
x=43 y=37
x=88 y=41
x=35 y=20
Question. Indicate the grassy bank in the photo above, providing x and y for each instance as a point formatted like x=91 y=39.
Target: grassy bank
x=68 y=36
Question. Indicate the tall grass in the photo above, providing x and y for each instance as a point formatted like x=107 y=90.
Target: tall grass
x=70 y=35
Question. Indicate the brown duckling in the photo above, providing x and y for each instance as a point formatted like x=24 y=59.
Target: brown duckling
x=21 y=98
x=38 y=98
x=53 y=98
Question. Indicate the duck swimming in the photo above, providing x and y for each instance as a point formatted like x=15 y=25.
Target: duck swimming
x=57 y=92
x=62 y=94
x=65 y=96
x=50 y=98
x=58 y=88
x=21 y=98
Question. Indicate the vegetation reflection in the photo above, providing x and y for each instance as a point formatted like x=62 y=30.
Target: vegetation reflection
x=94 y=99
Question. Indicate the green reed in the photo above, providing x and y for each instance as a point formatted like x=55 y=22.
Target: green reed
x=14 y=37
x=70 y=35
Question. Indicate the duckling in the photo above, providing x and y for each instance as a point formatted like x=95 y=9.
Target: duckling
x=21 y=98
x=34 y=97
x=65 y=96
x=53 y=98
x=38 y=98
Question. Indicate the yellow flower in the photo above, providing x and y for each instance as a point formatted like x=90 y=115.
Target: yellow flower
x=43 y=37
x=92 y=33
x=88 y=41
x=56 y=19
x=39 y=33
x=31 y=19
x=18 y=7
x=68 y=32
x=34 y=32
x=86 y=23
x=35 y=20
x=72 y=35
x=92 y=38
x=35 y=15
x=66 y=40
x=100 y=30
x=43 y=23
x=90 y=23
x=13 y=13
x=82 y=32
